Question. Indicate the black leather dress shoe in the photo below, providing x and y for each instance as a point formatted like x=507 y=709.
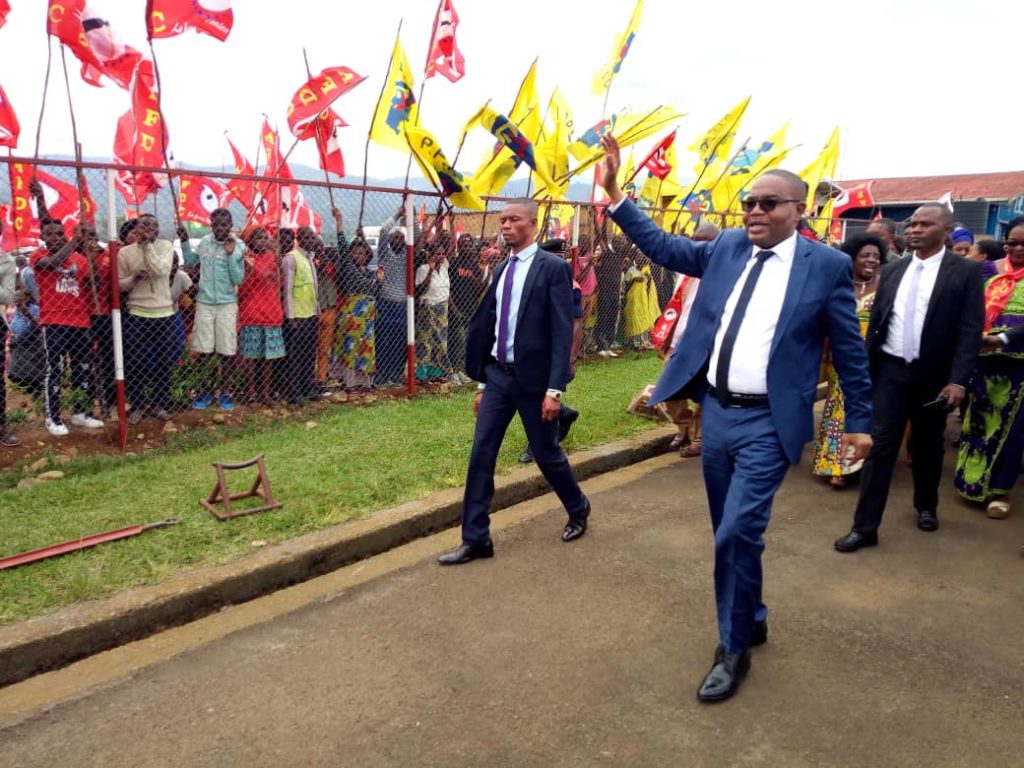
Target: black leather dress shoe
x=855 y=540
x=725 y=676
x=565 y=421
x=526 y=457
x=927 y=520
x=760 y=634
x=576 y=526
x=467 y=552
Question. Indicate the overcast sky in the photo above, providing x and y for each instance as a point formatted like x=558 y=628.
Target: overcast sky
x=918 y=87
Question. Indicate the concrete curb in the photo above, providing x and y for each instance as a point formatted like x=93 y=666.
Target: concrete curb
x=54 y=641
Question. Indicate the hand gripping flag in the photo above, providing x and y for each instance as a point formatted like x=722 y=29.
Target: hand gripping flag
x=397 y=107
x=90 y=38
x=318 y=94
x=603 y=79
x=438 y=170
x=444 y=57
x=9 y=127
x=167 y=18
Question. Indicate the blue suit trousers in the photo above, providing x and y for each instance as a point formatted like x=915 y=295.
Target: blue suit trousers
x=744 y=465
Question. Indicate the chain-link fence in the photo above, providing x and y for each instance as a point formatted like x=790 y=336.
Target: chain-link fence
x=220 y=291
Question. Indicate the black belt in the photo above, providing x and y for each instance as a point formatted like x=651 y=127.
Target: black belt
x=738 y=400
x=508 y=368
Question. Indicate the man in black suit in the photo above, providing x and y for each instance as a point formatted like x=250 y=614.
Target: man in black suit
x=923 y=339
x=518 y=348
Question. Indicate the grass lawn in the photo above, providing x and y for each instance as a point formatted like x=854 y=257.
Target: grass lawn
x=356 y=461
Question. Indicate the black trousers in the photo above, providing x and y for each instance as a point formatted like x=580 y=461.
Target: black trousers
x=899 y=394
x=300 y=336
x=75 y=344
x=149 y=356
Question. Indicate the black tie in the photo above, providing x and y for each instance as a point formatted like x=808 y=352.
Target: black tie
x=729 y=340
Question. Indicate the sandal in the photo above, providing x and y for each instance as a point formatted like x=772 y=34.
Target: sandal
x=838 y=482
x=678 y=442
x=691 y=451
x=998 y=509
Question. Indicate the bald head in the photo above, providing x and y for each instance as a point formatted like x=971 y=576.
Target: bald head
x=941 y=211
x=705 y=232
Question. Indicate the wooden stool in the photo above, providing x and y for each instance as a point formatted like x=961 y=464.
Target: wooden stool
x=260 y=488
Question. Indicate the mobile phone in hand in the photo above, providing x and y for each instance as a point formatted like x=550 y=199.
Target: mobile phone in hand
x=941 y=402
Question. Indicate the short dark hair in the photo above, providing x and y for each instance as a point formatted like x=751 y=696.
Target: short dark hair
x=217 y=212
x=947 y=215
x=798 y=185
x=853 y=244
x=889 y=224
x=992 y=249
x=1014 y=223
x=525 y=202
x=49 y=221
x=126 y=229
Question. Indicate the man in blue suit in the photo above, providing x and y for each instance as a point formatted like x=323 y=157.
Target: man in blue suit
x=751 y=353
x=518 y=345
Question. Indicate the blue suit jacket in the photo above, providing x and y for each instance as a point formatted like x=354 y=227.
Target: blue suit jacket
x=543 y=327
x=819 y=302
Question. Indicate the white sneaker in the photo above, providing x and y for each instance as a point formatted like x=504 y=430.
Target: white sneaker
x=605 y=353
x=56 y=428
x=85 y=420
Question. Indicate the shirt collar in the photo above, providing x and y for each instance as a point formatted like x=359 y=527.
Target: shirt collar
x=932 y=261
x=527 y=253
x=785 y=250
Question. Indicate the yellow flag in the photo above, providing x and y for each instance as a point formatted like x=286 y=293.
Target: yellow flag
x=498 y=166
x=823 y=167
x=628 y=129
x=512 y=138
x=756 y=161
x=626 y=175
x=715 y=146
x=438 y=170
x=603 y=79
x=397 y=107
x=553 y=147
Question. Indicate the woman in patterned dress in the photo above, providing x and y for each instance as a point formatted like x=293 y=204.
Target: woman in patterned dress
x=992 y=439
x=866 y=251
x=355 y=341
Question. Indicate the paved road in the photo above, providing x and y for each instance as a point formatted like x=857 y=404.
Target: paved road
x=581 y=655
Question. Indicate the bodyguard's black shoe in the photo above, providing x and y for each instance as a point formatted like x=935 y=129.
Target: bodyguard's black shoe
x=576 y=526
x=466 y=553
x=725 y=676
x=760 y=634
x=566 y=419
x=526 y=457
x=927 y=520
x=855 y=540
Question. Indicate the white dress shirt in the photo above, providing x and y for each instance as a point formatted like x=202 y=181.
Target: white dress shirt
x=748 y=369
x=525 y=258
x=930 y=271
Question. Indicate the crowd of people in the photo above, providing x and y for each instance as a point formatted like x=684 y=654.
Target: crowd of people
x=263 y=316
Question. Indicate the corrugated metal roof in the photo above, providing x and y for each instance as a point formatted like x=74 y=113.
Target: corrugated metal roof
x=920 y=189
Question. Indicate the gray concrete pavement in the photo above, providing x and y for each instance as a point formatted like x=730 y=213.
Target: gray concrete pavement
x=579 y=655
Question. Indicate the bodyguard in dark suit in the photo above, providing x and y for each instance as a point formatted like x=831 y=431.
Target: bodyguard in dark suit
x=518 y=347
x=751 y=352
x=923 y=340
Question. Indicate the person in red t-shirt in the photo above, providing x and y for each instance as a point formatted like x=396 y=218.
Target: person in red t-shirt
x=259 y=313
x=65 y=302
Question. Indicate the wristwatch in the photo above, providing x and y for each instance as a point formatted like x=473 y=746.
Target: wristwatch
x=555 y=394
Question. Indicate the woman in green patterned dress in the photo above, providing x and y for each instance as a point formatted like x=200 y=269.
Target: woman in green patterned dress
x=866 y=251
x=992 y=441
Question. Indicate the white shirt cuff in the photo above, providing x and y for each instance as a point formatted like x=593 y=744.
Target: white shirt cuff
x=615 y=206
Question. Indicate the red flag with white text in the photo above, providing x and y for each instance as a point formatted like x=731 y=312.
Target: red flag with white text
x=168 y=18
x=444 y=57
x=90 y=38
x=9 y=126
x=656 y=162
x=198 y=197
x=62 y=202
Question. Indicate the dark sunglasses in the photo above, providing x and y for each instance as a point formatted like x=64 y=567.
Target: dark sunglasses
x=768 y=204
x=1010 y=244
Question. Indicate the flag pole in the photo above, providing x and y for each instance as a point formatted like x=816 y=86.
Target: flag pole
x=320 y=145
x=366 y=150
x=74 y=138
x=419 y=106
x=163 y=139
x=707 y=164
x=42 y=105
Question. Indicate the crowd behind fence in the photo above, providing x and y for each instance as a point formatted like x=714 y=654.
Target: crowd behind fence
x=203 y=307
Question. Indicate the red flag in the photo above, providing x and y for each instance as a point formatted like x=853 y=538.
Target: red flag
x=150 y=130
x=9 y=127
x=134 y=187
x=167 y=18
x=5 y=8
x=93 y=42
x=656 y=162
x=327 y=144
x=24 y=222
x=198 y=197
x=857 y=196
x=445 y=58
x=243 y=191
x=317 y=95
x=62 y=202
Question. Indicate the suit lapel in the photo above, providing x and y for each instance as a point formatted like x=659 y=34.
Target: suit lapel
x=892 y=286
x=946 y=269
x=531 y=279
x=794 y=288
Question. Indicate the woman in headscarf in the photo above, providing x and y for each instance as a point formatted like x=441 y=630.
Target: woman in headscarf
x=962 y=239
x=992 y=441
